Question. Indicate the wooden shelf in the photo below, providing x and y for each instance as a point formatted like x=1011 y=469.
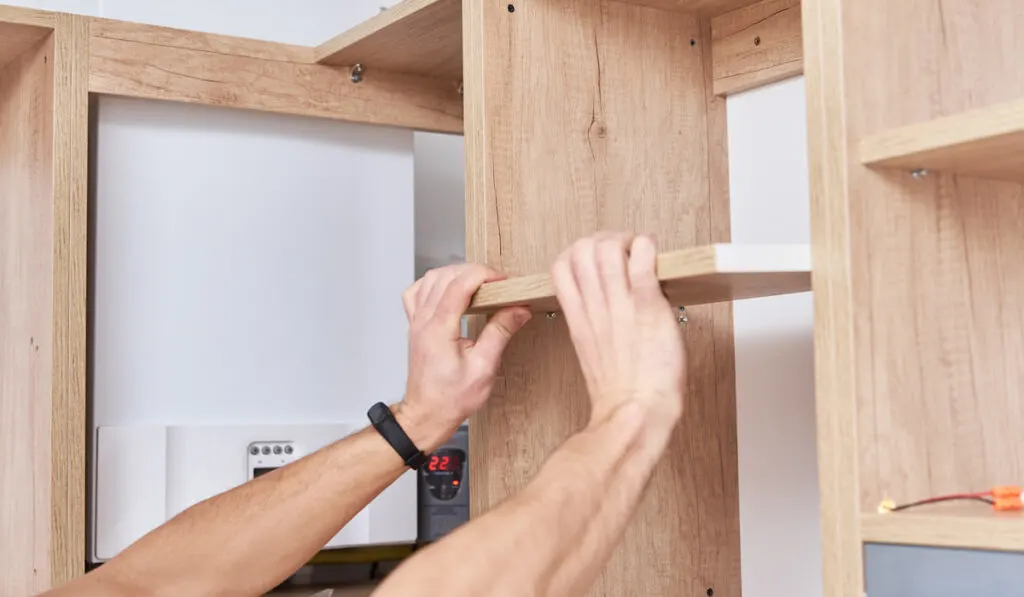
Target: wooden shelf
x=696 y=276
x=422 y=37
x=21 y=29
x=986 y=143
x=963 y=526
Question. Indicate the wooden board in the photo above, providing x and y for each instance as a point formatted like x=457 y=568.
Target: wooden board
x=700 y=7
x=836 y=315
x=206 y=42
x=183 y=73
x=422 y=37
x=919 y=293
x=965 y=527
x=70 y=246
x=757 y=45
x=557 y=149
x=987 y=143
x=26 y=327
x=21 y=30
x=696 y=276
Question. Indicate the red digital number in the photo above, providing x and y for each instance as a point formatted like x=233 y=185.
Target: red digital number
x=433 y=463
x=444 y=463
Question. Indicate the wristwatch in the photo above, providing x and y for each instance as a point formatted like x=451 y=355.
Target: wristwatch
x=383 y=420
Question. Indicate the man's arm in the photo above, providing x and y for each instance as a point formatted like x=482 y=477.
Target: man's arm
x=250 y=539
x=555 y=536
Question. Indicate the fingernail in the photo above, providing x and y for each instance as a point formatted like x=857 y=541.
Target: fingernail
x=522 y=316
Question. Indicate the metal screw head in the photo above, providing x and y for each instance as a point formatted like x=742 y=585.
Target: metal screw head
x=919 y=173
x=551 y=315
x=357 y=73
x=681 y=317
x=277 y=449
x=265 y=450
x=254 y=450
x=288 y=450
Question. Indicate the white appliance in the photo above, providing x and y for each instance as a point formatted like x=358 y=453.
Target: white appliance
x=146 y=475
x=247 y=278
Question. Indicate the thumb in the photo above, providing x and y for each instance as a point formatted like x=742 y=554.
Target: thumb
x=496 y=334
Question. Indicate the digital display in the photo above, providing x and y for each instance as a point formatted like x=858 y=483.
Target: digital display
x=445 y=462
x=260 y=471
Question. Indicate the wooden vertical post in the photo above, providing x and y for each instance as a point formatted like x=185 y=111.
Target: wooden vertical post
x=43 y=225
x=70 y=250
x=583 y=115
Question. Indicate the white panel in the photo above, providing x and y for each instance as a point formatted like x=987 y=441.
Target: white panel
x=440 y=200
x=248 y=268
x=131 y=496
x=774 y=350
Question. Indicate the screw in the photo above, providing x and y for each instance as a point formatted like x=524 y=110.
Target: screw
x=919 y=173
x=682 y=318
x=757 y=40
x=551 y=315
x=254 y=450
x=357 y=73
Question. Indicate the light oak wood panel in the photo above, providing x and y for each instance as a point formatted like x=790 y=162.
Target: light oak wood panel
x=21 y=30
x=195 y=40
x=965 y=527
x=936 y=274
x=422 y=37
x=987 y=143
x=185 y=74
x=16 y=15
x=756 y=45
x=836 y=314
x=557 y=149
x=696 y=276
x=700 y=7
x=70 y=244
x=26 y=326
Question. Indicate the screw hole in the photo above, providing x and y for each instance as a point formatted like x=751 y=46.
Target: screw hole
x=711 y=592
x=693 y=42
x=511 y=8
x=757 y=40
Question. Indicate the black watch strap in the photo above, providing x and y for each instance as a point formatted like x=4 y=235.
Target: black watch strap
x=384 y=422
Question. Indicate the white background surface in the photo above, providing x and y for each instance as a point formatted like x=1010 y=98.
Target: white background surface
x=767 y=152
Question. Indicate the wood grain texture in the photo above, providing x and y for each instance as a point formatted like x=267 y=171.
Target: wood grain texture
x=695 y=276
x=557 y=149
x=26 y=326
x=21 y=30
x=936 y=262
x=756 y=45
x=16 y=15
x=422 y=37
x=171 y=73
x=708 y=8
x=206 y=42
x=836 y=315
x=986 y=143
x=70 y=244
x=965 y=527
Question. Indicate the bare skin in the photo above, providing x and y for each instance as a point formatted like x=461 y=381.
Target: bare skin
x=551 y=539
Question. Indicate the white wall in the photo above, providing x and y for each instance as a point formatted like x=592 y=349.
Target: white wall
x=781 y=547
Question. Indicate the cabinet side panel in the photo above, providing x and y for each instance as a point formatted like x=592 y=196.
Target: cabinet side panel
x=70 y=243
x=936 y=259
x=581 y=116
x=26 y=350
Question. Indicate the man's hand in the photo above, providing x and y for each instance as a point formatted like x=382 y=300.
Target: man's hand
x=624 y=330
x=450 y=377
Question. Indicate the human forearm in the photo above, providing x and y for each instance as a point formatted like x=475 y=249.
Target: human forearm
x=552 y=538
x=220 y=546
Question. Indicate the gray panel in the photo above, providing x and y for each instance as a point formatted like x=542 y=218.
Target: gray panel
x=909 y=571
